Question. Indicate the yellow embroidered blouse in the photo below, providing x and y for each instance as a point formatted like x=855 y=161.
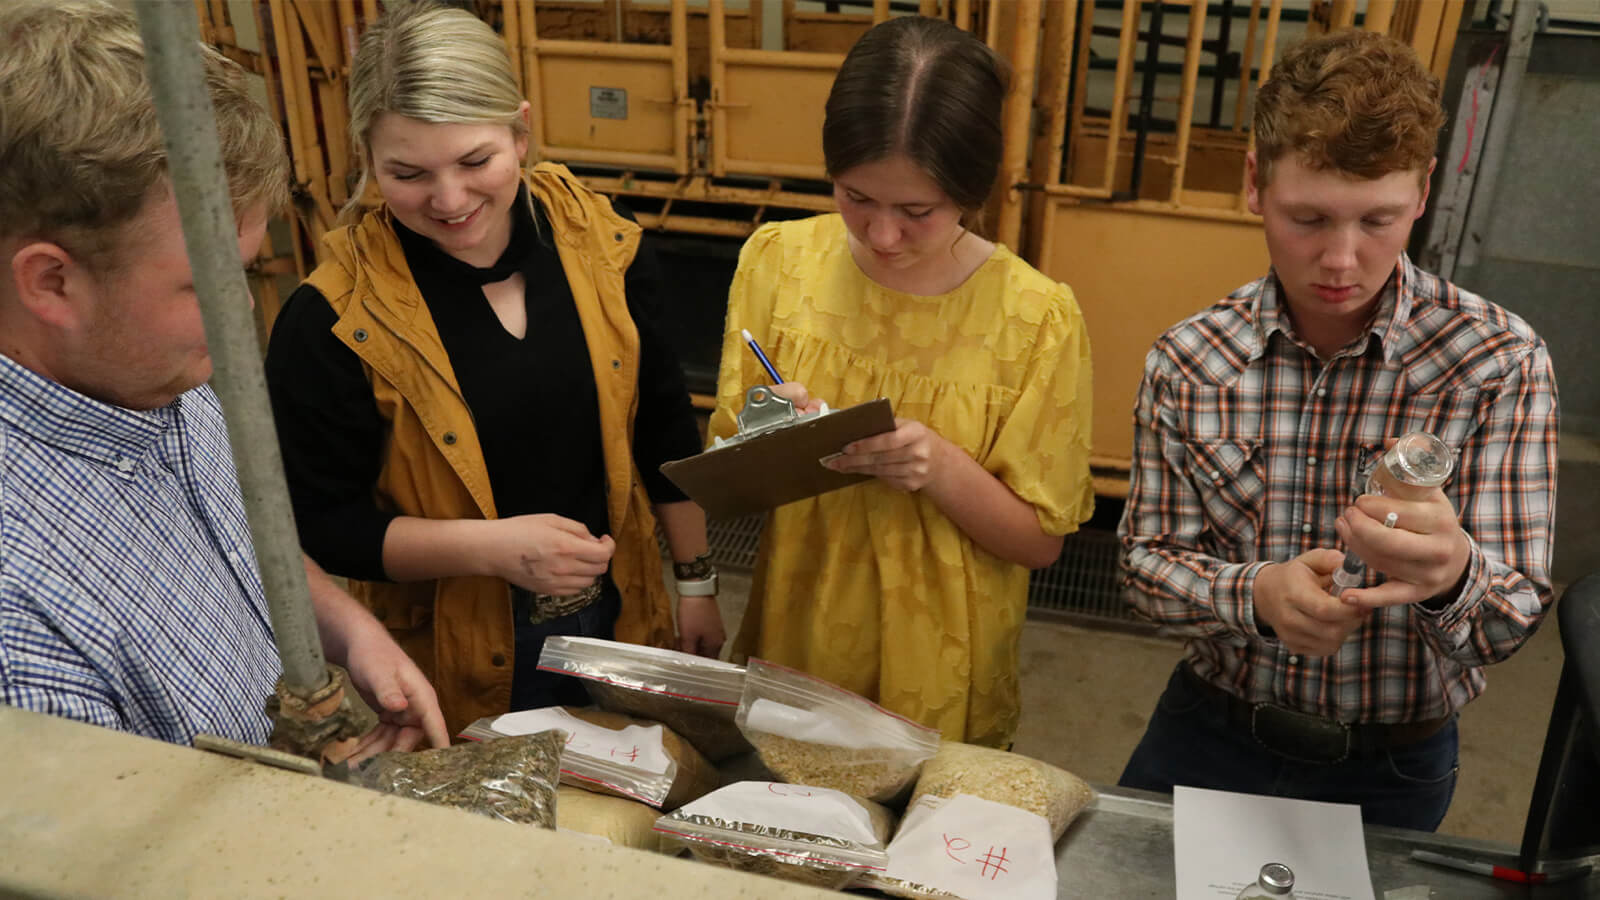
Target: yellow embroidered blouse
x=872 y=588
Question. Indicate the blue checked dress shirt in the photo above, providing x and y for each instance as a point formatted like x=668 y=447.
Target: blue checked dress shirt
x=129 y=595
x=1247 y=447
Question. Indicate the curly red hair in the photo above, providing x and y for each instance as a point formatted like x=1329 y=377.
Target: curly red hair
x=1356 y=102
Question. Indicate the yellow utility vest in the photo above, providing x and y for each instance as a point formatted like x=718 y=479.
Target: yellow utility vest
x=459 y=629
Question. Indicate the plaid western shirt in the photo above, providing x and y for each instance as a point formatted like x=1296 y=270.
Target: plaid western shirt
x=129 y=595
x=1247 y=447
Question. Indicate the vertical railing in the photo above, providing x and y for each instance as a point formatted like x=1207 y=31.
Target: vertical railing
x=194 y=164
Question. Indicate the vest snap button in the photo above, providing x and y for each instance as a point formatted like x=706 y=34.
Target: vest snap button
x=616 y=364
x=499 y=659
x=449 y=437
x=618 y=236
x=360 y=335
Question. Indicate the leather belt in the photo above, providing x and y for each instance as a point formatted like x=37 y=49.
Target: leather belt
x=540 y=608
x=1304 y=737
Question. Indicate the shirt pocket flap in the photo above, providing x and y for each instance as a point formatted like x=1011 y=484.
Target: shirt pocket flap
x=1219 y=461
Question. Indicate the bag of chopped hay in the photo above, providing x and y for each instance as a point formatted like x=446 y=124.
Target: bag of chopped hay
x=694 y=696
x=968 y=848
x=512 y=778
x=808 y=731
x=1009 y=778
x=622 y=823
x=815 y=836
x=613 y=754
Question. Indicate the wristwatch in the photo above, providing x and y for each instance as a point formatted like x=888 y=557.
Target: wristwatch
x=698 y=587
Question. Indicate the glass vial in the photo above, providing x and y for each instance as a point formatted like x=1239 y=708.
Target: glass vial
x=1416 y=463
x=1276 y=882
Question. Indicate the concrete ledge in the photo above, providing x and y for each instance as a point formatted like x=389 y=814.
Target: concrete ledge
x=90 y=812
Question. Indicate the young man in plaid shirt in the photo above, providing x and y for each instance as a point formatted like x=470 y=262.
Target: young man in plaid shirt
x=1255 y=423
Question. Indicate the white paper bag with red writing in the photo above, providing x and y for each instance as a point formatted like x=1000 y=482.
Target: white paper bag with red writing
x=631 y=762
x=973 y=849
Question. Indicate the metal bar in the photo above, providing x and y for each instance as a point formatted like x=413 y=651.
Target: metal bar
x=1268 y=45
x=533 y=79
x=1379 y=14
x=784 y=59
x=880 y=11
x=663 y=161
x=1224 y=41
x=769 y=169
x=680 y=84
x=964 y=14
x=194 y=163
x=991 y=31
x=1191 y=73
x=512 y=35
x=1119 y=96
x=1018 y=121
x=1245 y=63
x=1344 y=14
x=1079 y=88
x=1057 y=98
x=1449 y=27
x=566 y=49
x=719 y=82
x=1147 y=98
x=1519 y=44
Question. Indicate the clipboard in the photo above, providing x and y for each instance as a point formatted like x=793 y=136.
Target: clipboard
x=775 y=457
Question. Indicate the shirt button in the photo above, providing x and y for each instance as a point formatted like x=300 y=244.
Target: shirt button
x=449 y=437
x=1294 y=660
x=1311 y=460
x=498 y=659
x=1322 y=392
x=1216 y=476
x=360 y=335
x=1305 y=528
x=125 y=465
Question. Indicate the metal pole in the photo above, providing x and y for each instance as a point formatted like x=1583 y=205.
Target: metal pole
x=194 y=162
x=1519 y=45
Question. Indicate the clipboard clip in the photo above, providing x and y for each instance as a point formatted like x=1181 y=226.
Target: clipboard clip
x=765 y=411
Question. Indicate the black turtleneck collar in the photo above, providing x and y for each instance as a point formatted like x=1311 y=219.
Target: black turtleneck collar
x=524 y=235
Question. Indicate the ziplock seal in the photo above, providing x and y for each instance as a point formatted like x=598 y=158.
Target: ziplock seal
x=806 y=852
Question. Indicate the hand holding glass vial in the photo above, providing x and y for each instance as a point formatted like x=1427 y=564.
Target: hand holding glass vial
x=1414 y=465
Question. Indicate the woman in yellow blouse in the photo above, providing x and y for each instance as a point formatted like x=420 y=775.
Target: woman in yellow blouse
x=911 y=589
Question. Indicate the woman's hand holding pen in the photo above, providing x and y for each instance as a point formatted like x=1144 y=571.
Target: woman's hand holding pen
x=796 y=393
x=549 y=554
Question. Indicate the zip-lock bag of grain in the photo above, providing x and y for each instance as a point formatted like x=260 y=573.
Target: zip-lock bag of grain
x=511 y=778
x=611 y=753
x=967 y=848
x=808 y=731
x=1009 y=778
x=618 y=822
x=815 y=836
x=694 y=696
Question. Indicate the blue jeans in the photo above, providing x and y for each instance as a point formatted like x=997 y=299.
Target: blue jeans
x=1190 y=741
x=533 y=689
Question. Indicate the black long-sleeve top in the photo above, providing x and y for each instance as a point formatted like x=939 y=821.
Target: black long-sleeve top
x=533 y=400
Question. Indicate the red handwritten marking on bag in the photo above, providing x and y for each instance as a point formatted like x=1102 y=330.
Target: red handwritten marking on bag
x=783 y=790
x=950 y=848
x=998 y=863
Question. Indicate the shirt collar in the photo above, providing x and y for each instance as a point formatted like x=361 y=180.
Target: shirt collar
x=63 y=418
x=1396 y=301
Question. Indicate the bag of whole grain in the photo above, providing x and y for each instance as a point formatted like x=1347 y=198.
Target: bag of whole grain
x=619 y=822
x=809 y=731
x=613 y=754
x=1006 y=777
x=815 y=836
x=694 y=696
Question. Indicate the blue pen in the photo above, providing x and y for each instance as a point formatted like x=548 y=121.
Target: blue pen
x=765 y=363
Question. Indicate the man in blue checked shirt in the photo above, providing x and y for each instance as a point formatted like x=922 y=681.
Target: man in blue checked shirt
x=1256 y=418
x=129 y=595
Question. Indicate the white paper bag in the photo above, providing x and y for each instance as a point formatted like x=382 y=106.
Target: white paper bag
x=974 y=849
x=636 y=746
